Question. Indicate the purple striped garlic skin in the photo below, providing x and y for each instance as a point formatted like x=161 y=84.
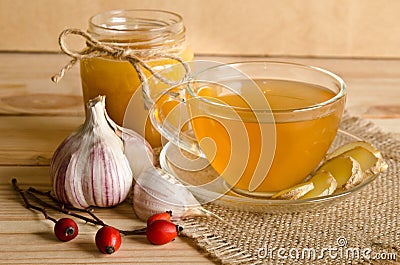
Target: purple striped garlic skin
x=89 y=168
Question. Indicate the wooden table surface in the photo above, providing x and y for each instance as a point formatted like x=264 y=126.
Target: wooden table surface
x=36 y=115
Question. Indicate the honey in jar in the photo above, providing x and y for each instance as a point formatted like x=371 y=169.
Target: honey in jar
x=143 y=32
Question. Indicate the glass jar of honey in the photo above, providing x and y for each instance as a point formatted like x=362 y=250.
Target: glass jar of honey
x=143 y=32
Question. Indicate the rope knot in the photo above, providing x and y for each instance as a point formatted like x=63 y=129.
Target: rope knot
x=97 y=48
x=120 y=54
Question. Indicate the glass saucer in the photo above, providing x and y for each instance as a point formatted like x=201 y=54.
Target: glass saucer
x=207 y=186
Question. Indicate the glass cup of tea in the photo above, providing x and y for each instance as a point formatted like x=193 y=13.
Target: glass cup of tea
x=263 y=126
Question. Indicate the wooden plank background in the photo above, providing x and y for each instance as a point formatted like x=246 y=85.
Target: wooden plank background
x=29 y=99
x=327 y=28
x=36 y=115
x=31 y=129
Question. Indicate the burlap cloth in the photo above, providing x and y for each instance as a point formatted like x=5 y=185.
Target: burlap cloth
x=363 y=228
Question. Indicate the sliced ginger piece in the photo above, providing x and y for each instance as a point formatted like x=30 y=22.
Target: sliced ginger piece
x=295 y=192
x=369 y=158
x=345 y=169
x=324 y=184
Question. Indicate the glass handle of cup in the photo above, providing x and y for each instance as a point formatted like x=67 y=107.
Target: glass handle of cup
x=170 y=116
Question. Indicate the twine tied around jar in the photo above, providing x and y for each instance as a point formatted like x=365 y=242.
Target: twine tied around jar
x=137 y=59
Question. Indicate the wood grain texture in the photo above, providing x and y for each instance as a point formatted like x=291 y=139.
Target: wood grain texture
x=27 y=238
x=36 y=115
x=26 y=87
x=346 y=28
x=32 y=140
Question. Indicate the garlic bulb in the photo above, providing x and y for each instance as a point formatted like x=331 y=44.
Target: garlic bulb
x=156 y=191
x=89 y=168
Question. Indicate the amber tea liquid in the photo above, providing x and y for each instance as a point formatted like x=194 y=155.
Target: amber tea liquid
x=299 y=144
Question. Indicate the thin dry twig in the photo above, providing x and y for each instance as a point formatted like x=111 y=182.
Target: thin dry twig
x=34 y=194
x=28 y=205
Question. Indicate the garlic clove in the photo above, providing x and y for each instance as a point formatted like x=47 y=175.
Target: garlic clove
x=157 y=191
x=137 y=150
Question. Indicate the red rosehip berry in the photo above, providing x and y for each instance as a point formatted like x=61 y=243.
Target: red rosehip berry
x=161 y=232
x=159 y=216
x=65 y=229
x=108 y=239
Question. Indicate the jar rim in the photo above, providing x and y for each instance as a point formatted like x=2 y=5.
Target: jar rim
x=174 y=19
x=139 y=29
